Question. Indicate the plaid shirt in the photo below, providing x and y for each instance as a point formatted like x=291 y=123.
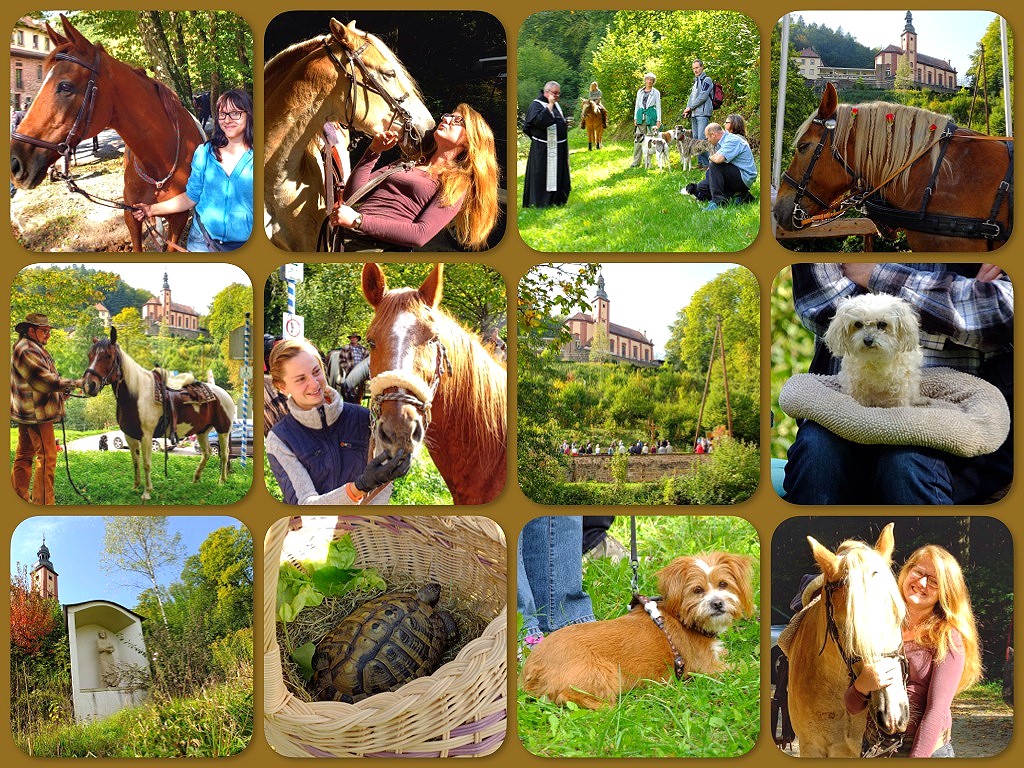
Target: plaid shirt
x=963 y=321
x=36 y=387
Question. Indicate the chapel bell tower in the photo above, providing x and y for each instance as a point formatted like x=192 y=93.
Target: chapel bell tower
x=44 y=578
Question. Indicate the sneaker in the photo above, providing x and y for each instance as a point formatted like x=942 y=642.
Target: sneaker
x=608 y=547
x=712 y=206
x=528 y=643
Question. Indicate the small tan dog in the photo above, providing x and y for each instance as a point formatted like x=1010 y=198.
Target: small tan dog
x=590 y=664
x=877 y=337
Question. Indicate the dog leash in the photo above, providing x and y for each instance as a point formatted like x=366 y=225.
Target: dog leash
x=650 y=605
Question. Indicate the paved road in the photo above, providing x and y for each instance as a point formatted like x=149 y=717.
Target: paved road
x=92 y=443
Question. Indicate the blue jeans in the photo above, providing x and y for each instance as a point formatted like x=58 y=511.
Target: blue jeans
x=549 y=574
x=698 y=123
x=824 y=468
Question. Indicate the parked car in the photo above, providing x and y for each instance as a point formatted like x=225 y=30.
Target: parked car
x=236 y=439
x=159 y=443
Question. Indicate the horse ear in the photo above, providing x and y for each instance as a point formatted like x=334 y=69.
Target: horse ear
x=829 y=102
x=73 y=34
x=55 y=37
x=825 y=558
x=113 y=335
x=431 y=288
x=374 y=283
x=886 y=543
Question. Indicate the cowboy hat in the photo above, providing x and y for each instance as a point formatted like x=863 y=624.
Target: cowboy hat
x=355 y=335
x=33 y=320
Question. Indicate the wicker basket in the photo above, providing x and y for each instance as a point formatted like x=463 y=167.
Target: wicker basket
x=460 y=710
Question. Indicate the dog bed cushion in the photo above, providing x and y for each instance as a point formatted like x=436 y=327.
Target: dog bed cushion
x=965 y=416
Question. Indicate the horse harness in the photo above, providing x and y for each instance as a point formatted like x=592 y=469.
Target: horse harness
x=371 y=83
x=76 y=133
x=880 y=211
x=877 y=744
x=393 y=391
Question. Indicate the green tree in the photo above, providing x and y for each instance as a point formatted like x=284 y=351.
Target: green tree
x=537 y=66
x=141 y=548
x=904 y=77
x=33 y=289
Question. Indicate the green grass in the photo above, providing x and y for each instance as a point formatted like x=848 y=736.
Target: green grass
x=72 y=434
x=699 y=716
x=217 y=723
x=106 y=477
x=613 y=208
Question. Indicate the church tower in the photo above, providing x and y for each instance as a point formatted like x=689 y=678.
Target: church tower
x=44 y=578
x=165 y=297
x=909 y=42
x=601 y=304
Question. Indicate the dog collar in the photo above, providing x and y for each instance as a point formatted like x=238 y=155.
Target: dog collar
x=650 y=605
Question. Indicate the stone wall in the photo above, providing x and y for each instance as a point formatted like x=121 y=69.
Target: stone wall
x=641 y=468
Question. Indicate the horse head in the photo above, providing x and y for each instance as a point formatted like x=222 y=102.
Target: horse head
x=104 y=364
x=816 y=178
x=70 y=106
x=407 y=359
x=864 y=612
x=382 y=94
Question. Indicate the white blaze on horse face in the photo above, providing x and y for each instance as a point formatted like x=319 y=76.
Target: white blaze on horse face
x=405 y=351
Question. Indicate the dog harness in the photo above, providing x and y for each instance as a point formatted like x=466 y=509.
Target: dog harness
x=650 y=605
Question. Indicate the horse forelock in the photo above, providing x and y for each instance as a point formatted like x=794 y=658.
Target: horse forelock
x=874 y=608
x=475 y=390
x=389 y=59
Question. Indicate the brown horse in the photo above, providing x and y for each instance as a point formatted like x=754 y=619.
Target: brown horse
x=950 y=193
x=855 y=617
x=140 y=415
x=87 y=90
x=434 y=383
x=350 y=78
x=593 y=117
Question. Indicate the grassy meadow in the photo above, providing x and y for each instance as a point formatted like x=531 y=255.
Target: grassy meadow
x=618 y=209
x=699 y=716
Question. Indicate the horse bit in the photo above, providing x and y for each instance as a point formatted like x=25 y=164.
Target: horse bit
x=442 y=366
x=879 y=744
x=799 y=214
x=66 y=147
x=371 y=83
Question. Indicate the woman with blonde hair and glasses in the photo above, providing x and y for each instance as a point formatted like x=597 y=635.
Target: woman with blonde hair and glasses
x=408 y=203
x=940 y=641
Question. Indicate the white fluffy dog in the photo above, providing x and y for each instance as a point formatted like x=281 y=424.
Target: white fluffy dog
x=656 y=148
x=876 y=335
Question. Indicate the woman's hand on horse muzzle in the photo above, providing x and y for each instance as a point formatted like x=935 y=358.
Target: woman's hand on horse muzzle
x=383 y=469
x=878 y=675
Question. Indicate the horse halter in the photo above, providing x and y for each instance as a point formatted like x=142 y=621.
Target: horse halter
x=113 y=376
x=370 y=82
x=833 y=632
x=799 y=214
x=408 y=389
x=76 y=133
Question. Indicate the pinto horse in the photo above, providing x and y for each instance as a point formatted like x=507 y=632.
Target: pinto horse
x=87 y=90
x=855 y=618
x=140 y=416
x=432 y=382
x=593 y=117
x=950 y=188
x=347 y=77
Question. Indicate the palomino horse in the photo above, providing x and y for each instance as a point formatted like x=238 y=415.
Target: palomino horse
x=950 y=188
x=593 y=117
x=855 y=618
x=350 y=78
x=140 y=415
x=434 y=383
x=87 y=90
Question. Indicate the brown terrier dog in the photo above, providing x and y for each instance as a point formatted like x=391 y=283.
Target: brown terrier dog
x=591 y=663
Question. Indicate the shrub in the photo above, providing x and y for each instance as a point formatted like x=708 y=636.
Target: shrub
x=728 y=476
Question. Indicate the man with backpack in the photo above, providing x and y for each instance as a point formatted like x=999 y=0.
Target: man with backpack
x=699 y=107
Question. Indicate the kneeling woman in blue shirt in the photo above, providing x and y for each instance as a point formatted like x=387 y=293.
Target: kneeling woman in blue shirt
x=220 y=184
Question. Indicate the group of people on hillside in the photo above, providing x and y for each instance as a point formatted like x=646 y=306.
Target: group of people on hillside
x=616 y=447
x=729 y=171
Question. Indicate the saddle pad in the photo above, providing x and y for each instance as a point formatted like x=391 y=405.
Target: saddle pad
x=196 y=393
x=812 y=594
x=964 y=415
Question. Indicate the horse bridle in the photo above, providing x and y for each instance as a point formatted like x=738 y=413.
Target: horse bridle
x=371 y=83
x=113 y=376
x=802 y=190
x=878 y=744
x=67 y=147
x=404 y=395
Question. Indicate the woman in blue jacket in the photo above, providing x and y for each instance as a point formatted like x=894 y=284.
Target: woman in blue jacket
x=219 y=186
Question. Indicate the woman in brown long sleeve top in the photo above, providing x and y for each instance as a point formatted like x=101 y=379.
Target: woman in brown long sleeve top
x=941 y=644
x=456 y=185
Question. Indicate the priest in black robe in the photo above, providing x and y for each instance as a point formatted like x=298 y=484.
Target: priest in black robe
x=547 y=166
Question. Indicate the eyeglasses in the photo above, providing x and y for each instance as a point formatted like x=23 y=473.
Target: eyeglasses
x=234 y=114
x=728 y=122
x=453 y=117
x=917 y=573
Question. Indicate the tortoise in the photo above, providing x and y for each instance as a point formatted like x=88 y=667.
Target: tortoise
x=383 y=644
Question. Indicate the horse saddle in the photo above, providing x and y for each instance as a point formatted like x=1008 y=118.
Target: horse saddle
x=173 y=400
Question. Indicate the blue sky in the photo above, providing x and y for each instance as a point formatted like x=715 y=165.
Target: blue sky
x=647 y=297
x=951 y=35
x=75 y=545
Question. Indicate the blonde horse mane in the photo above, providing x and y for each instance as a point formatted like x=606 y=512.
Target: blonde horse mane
x=873 y=600
x=476 y=389
x=881 y=146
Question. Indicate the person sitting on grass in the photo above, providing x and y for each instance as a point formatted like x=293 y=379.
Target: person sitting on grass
x=730 y=174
